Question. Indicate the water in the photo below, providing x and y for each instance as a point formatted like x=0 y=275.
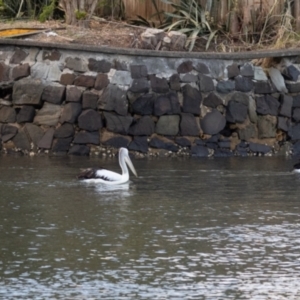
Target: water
x=185 y=229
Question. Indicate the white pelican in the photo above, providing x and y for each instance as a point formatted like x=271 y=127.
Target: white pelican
x=109 y=177
x=296 y=168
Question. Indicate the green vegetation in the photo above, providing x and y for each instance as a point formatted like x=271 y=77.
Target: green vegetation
x=80 y=15
x=47 y=12
x=190 y=18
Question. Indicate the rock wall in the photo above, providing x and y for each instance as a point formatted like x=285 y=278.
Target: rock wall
x=65 y=101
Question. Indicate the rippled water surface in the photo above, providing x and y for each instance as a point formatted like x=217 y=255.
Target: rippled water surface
x=185 y=229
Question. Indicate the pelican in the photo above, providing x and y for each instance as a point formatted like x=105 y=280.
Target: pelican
x=110 y=177
x=296 y=168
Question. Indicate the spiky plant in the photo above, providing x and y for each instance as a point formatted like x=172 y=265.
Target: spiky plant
x=190 y=18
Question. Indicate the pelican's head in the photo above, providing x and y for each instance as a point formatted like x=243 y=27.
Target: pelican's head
x=124 y=155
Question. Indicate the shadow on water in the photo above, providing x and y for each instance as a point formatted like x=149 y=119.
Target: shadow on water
x=184 y=229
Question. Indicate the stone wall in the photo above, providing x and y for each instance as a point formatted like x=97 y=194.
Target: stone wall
x=69 y=101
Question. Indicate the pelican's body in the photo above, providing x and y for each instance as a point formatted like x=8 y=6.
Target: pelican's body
x=296 y=168
x=110 y=177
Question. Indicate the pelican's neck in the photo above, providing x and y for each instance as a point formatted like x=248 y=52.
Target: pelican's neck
x=123 y=163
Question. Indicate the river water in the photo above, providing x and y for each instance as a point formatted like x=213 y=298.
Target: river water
x=184 y=229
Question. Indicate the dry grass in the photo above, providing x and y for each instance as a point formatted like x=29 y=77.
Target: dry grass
x=122 y=35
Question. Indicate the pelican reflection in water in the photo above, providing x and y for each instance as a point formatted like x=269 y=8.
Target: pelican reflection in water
x=110 y=177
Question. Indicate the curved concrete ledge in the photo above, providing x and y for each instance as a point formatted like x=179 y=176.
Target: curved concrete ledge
x=153 y=53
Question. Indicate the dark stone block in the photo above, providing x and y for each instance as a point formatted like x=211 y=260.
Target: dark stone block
x=143 y=126
x=4 y=72
x=185 y=67
x=140 y=85
x=70 y=113
x=26 y=114
x=20 y=71
x=199 y=151
x=242 y=149
x=233 y=71
x=7 y=132
x=213 y=122
x=143 y=105
x=158 y=143
x=189 y=78
x=139 y=144
x=296 y=149
x=167 y=104
x=80 y=150
x=34 y=132
x=6 y=90
x=7 y=115
x=286 y=106
x=267 y=105
x=89 y=100
x=47 y=139
x=225 y=86
x=296 y=101
x=296 y=114
x=120 y=65
x=212 y=100
x=236 y=112
x=294 y=132
x=101 y=81
x=223 y=153
x=183 y=142
x=117 y=142
x=90 y=120
x=28 y=91
x=224 y=144
x=189 y=125
x=52 y=55
x=73 y=94
x=18 y=56
x=263 y=87
x=21 y=141
x=61 y=145
x=243 y=84
x=293 y=87
x=291 y=73
x=202 y=68
x=85 y=81
x=99 y=66
x=114 y=99
x=67 y=78
x=211 y=145
x=200 y=142
x=247 y=70
x=175 y=82
x=54 y=93
x=87 y=138
x=138 y=71
x=116 y=123
x=64 y=131
x=214 y=138
x=259 y=148
x=284 y=123
x=191 y=100
x=206 y=83
x=159 y=85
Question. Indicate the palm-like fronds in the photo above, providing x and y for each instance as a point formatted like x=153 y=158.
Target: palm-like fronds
x=190 y=18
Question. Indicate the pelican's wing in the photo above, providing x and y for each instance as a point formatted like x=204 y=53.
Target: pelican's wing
x=108 y=175
x=297 y=165
x=99 y=174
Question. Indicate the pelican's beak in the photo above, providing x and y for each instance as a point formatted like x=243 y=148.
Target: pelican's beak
x=130 y=165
